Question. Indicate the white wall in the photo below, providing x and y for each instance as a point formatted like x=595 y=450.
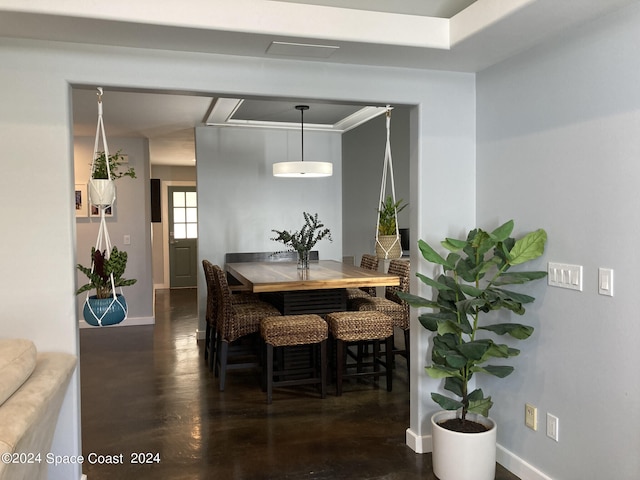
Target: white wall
x=131 y=216
x=36 y=189
x=558 y=148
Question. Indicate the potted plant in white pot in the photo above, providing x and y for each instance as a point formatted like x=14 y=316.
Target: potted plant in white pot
x=471 y=286
x=388 y=244
x=102 y=190
x=106 y=307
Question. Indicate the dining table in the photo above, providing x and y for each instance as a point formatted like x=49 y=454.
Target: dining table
x=319 y=289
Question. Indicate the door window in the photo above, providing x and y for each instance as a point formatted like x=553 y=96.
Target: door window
x=185 y=215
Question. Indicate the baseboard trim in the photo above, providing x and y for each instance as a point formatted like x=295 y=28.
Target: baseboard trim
x=509 y=460
x=518 y=466
x=83 y=477
x=417 y=443
x=129 y=322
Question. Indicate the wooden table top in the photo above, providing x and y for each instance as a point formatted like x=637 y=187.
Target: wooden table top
x=285 y=276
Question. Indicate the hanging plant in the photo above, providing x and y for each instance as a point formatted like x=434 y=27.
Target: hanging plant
x=116 y=160
x=99 y=273
x=387 y=215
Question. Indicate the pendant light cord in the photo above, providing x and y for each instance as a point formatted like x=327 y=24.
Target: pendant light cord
x=302 y=108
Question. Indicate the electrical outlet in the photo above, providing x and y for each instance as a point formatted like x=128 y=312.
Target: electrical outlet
x=531 y=416
x=552 y=426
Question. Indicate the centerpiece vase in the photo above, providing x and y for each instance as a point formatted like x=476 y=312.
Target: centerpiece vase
x=303 y=259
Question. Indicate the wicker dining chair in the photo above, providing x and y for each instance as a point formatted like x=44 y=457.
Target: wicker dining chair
x=212 y=309
x=210 y=315
x=235 y=321
x=370 y=262
x=391 y=304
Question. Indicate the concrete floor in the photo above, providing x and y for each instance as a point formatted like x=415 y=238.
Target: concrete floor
x=146 y=391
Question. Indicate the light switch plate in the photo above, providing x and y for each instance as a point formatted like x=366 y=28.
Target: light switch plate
x=605 y=281
x=564 y=275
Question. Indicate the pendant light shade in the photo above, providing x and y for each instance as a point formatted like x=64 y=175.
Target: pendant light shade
x=302 y=169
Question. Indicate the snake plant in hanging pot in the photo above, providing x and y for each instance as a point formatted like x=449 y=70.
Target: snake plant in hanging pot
x=468 y=293
x=106 y=307
x=102 y=189
x=388 y=239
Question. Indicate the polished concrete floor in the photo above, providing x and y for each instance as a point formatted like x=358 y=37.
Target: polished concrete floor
x=147 y=394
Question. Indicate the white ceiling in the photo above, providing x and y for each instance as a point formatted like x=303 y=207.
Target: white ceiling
x=456 y=35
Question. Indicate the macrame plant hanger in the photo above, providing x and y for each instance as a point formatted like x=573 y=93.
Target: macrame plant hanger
x=388 y=167
x=103 y=240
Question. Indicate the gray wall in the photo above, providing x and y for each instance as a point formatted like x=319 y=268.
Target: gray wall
x=363 y=151
x=131 y=216
x=558 y=148
x=240 y=201
x=35 y=121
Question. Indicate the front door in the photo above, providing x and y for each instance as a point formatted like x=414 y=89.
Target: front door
x=183 y=236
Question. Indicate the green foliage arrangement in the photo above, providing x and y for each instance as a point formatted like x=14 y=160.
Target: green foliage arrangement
x=475 y=273
x=387 y=215
x=304 y=240
x=115 y=161
x=100 y=277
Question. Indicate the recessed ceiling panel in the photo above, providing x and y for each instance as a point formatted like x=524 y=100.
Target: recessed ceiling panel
x=285 y=111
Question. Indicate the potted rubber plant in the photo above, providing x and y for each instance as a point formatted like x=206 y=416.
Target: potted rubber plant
x=102 y=190
x=388 y=240
x=105 y=273
x=473 y=285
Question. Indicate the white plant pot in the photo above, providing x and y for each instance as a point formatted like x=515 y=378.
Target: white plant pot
x=463 y=456
x=102 y=192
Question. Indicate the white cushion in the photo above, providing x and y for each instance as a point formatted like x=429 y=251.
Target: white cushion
x=17 y=362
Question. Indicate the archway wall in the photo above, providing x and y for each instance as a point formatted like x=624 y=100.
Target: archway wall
x=38 y=181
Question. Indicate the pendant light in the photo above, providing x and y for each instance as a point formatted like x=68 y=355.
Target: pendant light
x=302 y=169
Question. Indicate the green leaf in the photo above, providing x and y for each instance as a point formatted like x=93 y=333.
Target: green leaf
x=448 y=326
x=430 y=321
x=453 y=244
x=476 y=395
x=516 y=330
x=471 y=290
x=416 y=301
x=512 y=278
x=454 y=385
x=436 y=371
x=474 y=350
x=501 y=233
x=431 y=255
x=446 y=402
x=481 y=406
x=432 y=283
x=499 y=371
x=515 y=296
x=455 y=361
x=468 y=307
x=529 y=247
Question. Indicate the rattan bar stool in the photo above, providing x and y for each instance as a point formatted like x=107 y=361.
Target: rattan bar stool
x=391 y=304
x=351 y=327
x=290 y=330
